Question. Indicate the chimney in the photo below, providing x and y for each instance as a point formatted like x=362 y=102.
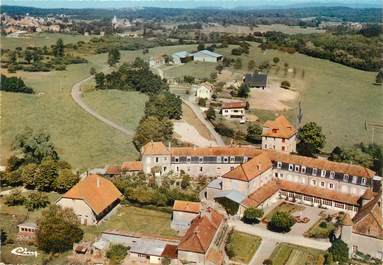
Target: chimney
x=259 y=166
x=98 y=182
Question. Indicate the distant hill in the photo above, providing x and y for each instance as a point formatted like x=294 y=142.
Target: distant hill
x=238 y=15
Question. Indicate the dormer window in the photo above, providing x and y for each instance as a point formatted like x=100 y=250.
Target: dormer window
x=363 y=181
x=279 y=165
x=176 y=159
x=332 y=174
x=345 y=177
x=296 y=168
x=303 y=170
x=315 y=171
x=225 y=159
x=323 y=173
x=291 y=166
x=275 y=130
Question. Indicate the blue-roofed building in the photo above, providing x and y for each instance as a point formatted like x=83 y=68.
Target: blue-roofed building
x=207 y=56
x=182 y=57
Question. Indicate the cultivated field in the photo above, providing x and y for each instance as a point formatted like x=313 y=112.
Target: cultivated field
x=288 y=254
x=244 y=246
x=41 y=39
x=339 y=98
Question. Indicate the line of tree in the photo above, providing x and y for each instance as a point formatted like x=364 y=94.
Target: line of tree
x=354 y=50
x=14 y=84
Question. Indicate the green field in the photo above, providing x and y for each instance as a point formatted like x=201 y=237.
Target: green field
x=337 y=97
x=288 y=254
x=244 y=246
x=136 y=220
x=41 y=39
x=290 y=208
x=80 y=139
x=125 y=108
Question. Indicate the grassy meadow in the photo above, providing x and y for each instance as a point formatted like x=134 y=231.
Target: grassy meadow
x=337 y=97
x=81 y=139
x=41 y=39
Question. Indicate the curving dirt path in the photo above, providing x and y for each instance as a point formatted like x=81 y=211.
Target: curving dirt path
x=77 y=97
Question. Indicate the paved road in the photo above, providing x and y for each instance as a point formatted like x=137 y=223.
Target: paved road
x=208 y=125
x=77 y=97
x=292 y=239
x=264 y=251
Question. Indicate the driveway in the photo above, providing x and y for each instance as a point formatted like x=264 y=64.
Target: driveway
x=77 y=97
x=279 y=237
x=208 y=125
x=264 y=251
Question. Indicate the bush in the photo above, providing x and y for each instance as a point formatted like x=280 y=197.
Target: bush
x=251 y=215
x=202 y=102
x=189 y=79
x=323 y=225
x=117 y=253
x=281 y=222
x=338 y=252
x=36 y=200
x=285 y=84
x=223 y=130
x=15 y=198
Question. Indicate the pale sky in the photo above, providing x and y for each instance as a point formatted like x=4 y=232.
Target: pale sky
x=187 y=3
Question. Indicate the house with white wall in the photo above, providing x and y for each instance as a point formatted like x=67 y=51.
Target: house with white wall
x=91 y=199
x=279 y=135
x=183 y=214
x=234 y=110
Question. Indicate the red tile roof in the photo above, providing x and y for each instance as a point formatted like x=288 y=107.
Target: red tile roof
x=234 y=105
x=132 y=166
x=318 y=192
x=96 y=191
x=170 y=251
x=187 y=206
x=251 y=169
x=369 y=219
x=155 y=148
x=216 y=151
x=261 y=194
x=280 y=127
x=352 y=170
x=113 y=170
x=201 y=232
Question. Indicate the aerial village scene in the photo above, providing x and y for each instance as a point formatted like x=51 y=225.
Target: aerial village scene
x=191 y=132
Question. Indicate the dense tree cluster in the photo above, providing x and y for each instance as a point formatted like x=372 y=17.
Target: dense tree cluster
x=252 y=215
x=164 y=105
x=153 y=129
x=281 y=222
x=370 y=156
x=337 y=253
x=58 y=230
x=33 y=201
x=36 y=164
x=116 y=254
x=254 y=133
x=14 y=84
x=136 y=76
x=354 y=50
x=311 y=139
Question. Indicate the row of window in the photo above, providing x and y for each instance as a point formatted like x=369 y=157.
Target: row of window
x=219 y=159
x=302 y=169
